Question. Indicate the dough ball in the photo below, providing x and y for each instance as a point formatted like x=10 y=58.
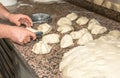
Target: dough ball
x=65 y=28
x=116 y=7
x=82 y=20
x=78 y=34
x=64 y=21
x=98 y=2
x=112 y=35
x=85 y=39
x=98 y=29
x=45 y=28
x=31 y=29
x=72 y=16
x=97 y=59
x=41 y=48
x=51 y=38
x=107 y=4
x=91 y=23
x=66 y=41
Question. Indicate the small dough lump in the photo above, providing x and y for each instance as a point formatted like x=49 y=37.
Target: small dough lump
x=66 y=41
x=98 y=2
x=41 y=48
x=72 y=16
x=45 y=28
x=64 y=21
x=82 y=20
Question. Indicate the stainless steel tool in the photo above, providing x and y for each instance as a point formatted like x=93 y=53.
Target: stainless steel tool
x=115 y=1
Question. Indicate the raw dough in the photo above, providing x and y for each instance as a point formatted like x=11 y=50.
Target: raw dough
x=98 y=2
x=51 y=38
x=98 y=29
x=107 y=4
x=41 y=48
x=64 y=21
x=85 y=39
x=72 y=16
x=65 y=28
x=31 y=29
x=82 y=20
x=91 y=23
x=78 y=34
x=116 y=7
x=66 y=41
x=97 y=59
x=45 y=28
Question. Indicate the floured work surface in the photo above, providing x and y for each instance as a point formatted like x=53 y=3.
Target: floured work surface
x=47 y=66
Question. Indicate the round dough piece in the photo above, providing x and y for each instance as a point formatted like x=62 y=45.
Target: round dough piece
x=45 y=28
x=82 y=20
x=107 y=4
x=66 y=41
x=97 y=59
x=78 y=34
x=64 y=21
x=98 y=29
x=72 y=16
x=41 y=48
x=91 y=23
x=85 y=39
x=65 y=28
x=116 y=7
x=98 y=2
x=51 y=38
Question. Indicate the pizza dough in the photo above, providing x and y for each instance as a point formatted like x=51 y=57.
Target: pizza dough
x=65 y=28
x=78 y=34
x=51 y=38
x=97 y=59
x=107 y=4
x=98 y=2
x=66 y=41
x=45 y=28
x=64 y=21
x=98 y=29
x=82 y=20
x=85 y=39
x=72 y=16
x=91 y=23
x=41 y=48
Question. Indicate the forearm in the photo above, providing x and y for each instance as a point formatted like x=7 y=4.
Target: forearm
x=5 y=31
x=4 y=13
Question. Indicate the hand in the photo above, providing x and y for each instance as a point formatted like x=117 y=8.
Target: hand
x=21 y=35
x=19 y=19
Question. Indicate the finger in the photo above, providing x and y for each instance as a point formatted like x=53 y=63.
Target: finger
x=29 y=19
x=33 y=35
x=25 y=21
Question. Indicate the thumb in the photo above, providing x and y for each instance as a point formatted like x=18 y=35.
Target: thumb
x=17 y=23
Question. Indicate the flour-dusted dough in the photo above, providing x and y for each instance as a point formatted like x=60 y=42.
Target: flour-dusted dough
x=78 y=34
x=72 y=16
x=97 y=59
x=31 y=29
x=85 y=39
x=45 y=28
x=64 y=21
x=51 y=38
x=116 y=7
x=65 y=28
x=107 y=4
x=91 y=23
x=66 y=41
x=82 y=20
x=112 y=35
x=98 y=29
x=98 y=2
x=41 y=48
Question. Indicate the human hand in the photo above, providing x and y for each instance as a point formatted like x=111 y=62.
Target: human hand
x=21 y=35
x=19 y=19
